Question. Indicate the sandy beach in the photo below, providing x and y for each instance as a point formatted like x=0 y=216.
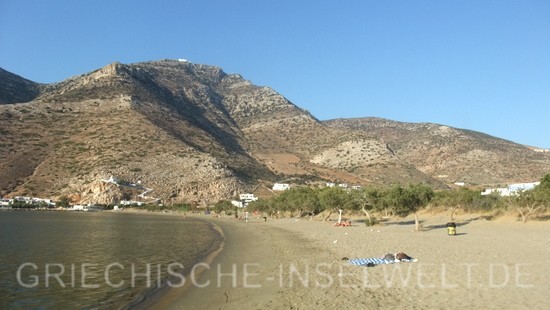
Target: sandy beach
x=296 y=264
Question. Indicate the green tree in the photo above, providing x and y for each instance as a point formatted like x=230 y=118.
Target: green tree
x=304 y=200
x=453 y=200
x=63 y=201
x=367 y=200
x=332 y=199
x=410 y=199
x=223 y=205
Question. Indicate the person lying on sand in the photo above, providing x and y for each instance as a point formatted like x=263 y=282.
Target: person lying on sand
x=397 y=257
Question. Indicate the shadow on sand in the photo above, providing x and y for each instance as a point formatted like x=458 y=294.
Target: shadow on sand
x=438 y=226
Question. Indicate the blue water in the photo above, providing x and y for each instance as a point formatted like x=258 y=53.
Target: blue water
x=80 y=260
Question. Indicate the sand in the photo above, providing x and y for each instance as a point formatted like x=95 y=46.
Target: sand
x=296 y=264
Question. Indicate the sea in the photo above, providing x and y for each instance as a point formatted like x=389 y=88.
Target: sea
x=96 y=260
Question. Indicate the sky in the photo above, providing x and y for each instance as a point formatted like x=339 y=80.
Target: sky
x=476 y=64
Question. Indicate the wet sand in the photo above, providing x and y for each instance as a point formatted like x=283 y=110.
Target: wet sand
x=296 y=264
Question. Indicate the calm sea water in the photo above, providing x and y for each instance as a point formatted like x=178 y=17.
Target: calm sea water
x=79 y=260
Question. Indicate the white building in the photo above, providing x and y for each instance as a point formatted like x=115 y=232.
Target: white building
x=5 y=202
x=330 y=184
x=518 y=187
x=281 y=186
x=246 y=198
x=131 y=202
x=511 y=190
x=501 y=191
x=238 y=204
x=77 y=208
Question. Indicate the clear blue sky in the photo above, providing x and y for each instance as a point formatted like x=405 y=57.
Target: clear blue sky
x=481 y=65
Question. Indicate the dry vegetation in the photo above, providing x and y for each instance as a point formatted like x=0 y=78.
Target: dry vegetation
x=195 y=134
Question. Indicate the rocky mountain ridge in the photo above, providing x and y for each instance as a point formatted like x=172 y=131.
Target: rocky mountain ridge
x=194 y=133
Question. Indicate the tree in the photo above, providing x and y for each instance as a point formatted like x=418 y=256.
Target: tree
x=410 y=199
x=64 y=202
x=305 y=201
x=455 y=199
x=223 y=205
x=530 y=202
x=332 y=199
x=527 y=204
x=366 y=200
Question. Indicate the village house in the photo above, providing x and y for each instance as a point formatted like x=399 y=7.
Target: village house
x=4 y=202
x=131 y=202
x=237 y=203
x=246 y=198
x=511 y=190
x=281 y=186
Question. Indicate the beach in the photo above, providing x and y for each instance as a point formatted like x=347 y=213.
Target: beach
x=297 y=264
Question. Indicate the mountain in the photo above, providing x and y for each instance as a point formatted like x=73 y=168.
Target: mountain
x=187 y=132
x=16 y=89
x=452 y=154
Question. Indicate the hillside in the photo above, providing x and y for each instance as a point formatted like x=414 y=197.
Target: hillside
x=16 y=89
x=452 y=154
x=192 y=133
x=130 y=122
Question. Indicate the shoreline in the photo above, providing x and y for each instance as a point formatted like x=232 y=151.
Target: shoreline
x=296 y=263
x=167 y=296
x=160 y=298
x=255 y=247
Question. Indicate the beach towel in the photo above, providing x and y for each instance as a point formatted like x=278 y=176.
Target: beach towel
x=377 y=261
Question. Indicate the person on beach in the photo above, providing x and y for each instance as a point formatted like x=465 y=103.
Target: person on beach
x=397 y=257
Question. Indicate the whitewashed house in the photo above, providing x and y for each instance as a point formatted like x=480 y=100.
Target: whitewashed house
x=77 y=208
x=131 y=202
x=281 y=186
x=238 y=204
x=503 y=191
x=518 y=187
x=511 y=190
x=246 y=198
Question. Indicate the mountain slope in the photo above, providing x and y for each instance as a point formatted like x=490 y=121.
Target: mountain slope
x=192 y=133
x=16 y=89
x=126 y=121
x=453 y=154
